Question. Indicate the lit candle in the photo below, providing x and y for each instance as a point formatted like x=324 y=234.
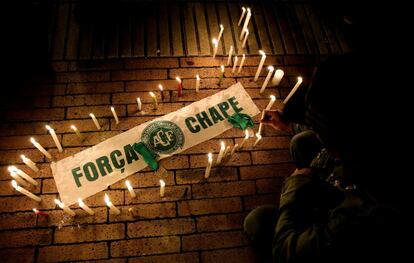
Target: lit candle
x=55 y=138
x=162 y=188
x=130 y=189
x=112 y=208
x=40 y=148
x=40 y=213
x=139 y=104
x=235 y=147
x=241 y=63
x=95 y=121
x=246 y=137
x=269 y=75
x=18 y=179
x=154 y=100
x=293 y=90
x=22 y=174
x=220 y=155
x=65 y=208
x=85 y=207
x=259 y=137
x=277 y=77
x=115 y=115
x=25 y=192
x=215 y=47
x=208 y=168
x=245 y=38
x=230 y=55
x=236 y=59
x=161 y=91
x=73 y=127
x=246 y=23
x=259 y=69
x=29 y=163
x=227 y=151
x=221 y=74
x=197 y=83
x=220 y=33
x=242 y=15
x=272 y=100
x=180 y=86
x=259 y=131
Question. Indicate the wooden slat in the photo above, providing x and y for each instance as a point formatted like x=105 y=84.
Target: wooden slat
x=273 y=29
x=177 y=41
x=307 y=30
x=60 y=32
x=112 y=39
x=202 y=29
x=137 y=28
x=330 y=33
x=73 y=35
x=151 y=30
x=234 y=19
x=261 y=29
x=320 y=36
x=285 y=30
x=214 y=25
x=51 y=27
x=342 y=42
x=164 y=29
x=85 y=44
x=295 y=29
x=98 y=46
x=125 y=34
x=190 y=34
x=225 y=21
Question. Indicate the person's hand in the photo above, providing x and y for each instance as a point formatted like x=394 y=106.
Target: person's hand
x=274 y=119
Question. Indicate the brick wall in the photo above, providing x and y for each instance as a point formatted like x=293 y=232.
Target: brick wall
x=197 y=221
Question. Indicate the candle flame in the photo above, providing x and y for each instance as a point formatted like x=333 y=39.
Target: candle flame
x=198 y=77
x=128 y=185
x=178 y=79
x=221 y=27
x=222 y=68
x=300 y=79
x=14 y=184
x=139 y=100
x=59 y=203
x=12 y=169
x=107 y=201
x=23 y=157
x=247 y=31
x=152 y=94
x=214 y=41
x=223 y=145
x=231 y=49
x=258 y=136
x=248 y=10
x=244 y=9
x=73 y=127
x=81 y=203
x=160 y=87
x=210 y=157
x=162 y=183
x=270 y=68
x=262 y=53
x=32 y=140
x=272 y=97
x=35 y=210
x=112 y=109
x=247 y=135
x=48 y=128
x=92 y=115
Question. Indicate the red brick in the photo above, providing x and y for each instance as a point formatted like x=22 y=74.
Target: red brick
x=17 y=220
x=116 y=196
x=176 y=162
x=22 y=142
x=90 y=139
x=82 y=77
x=264 y=171
x=192 y=72
x=207 y=83
x=23 y=203
x=95 y=65
x=59 y=66
x=212 y=145
x=202 y=61
x=81 y=125
x=192 y=96
x=24 y=255
x=270 y=157
x=232 y=133
x=21 y=238
x=59 y=218
x=173 y=258
x=8 y=129
x=36 y=114
x=89 y=233
x=281 y=142
x=147 y=74
x=145 y=246
x=213 y=240
x=66 y=153
x=80 y=100
x=209 y=206
x=233 y=255
x=238 y=159
x=220 y=222
x=6 y=189
x=269 y=185
x=165 y=227
x=223 y=189
x=28 y=102
x=129 y=123
x=194 y=176
x=45 y=89
x=148 y=109
x=98 y=111
x=93 y=88
x=251 y=202
x=73 y=252
x=152 y=195
x=131 y=97
x=151 y=85
x=144 y=179
x=139 y=63
x=145 y=211
x=49 y=186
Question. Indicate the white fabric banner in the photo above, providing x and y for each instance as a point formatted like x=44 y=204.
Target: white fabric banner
x=93 y=170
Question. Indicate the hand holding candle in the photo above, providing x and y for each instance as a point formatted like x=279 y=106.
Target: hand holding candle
x=95 y=121
x=180 y=86
x=85 y=207
x=209 y=164
x=197 y=83
x=162 y=188
x=29 y=163
x=112 y=208
x=269 y=75
x=55 y=138
x=220 y=155
x=277 y=77
x=25 y=192
x=154 y=100
x=40 y=148
x=241 y=63
x=293 y=90
x=161 y=91
x=259 y=69
x=130 y=189
x=215 y=47
x=65 y=208
x=115 y=115
x=73 y=127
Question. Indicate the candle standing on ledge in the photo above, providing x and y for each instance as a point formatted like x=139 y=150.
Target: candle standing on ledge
x=40 y=213
x=161 y=91
x=130 y=189
x=277 y=77
x=259 y=137
x=269 y=75
x=197 y=83
x=115 y=115
x=246 y=137
x=221 y=74
x=180 y=86
x=215 y=47
x=246 y=23
x=154 y=100
x=245 y=38
x=226 y=151
x=235 y=147
x=73 y=127
x=259 y=131
x=236 y=59
x=29 y=163
x=259 y=69
x=220 y=33
x=272 y=100
x=220 y=155
x=18 y=179
x=139 y=104
x=40 y=148
x=85 y=207
x=112 y=208
x=95 y=121
x=55 y=138
x=25 y=192
x=293 y=90
x=209 y=164
x=22 y=174
x=65 y=208
x=230 y=55
x=242 y=15
x=162 y=188
x=241 y=63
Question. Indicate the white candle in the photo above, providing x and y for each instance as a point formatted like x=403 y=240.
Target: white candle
x=269 y=75
x=197 y=83
x=226 y=152
x=245 y=38
x=40 y=148
x=236 y=146
x=259 y=69
x=18 y=179
x=25 y=192
x=272 y=100
x=55 y=138
x=29 y=163
x=236 y=59
x=115 y=115
x=277 y=77
x=293 y=90
x=180 y=86
x=65 y=208
x=112 y=208
x=139 y=104
x=241 y=63
x=162 y=188
x=22 y=174
x=215 y=47
x=246 y=137
x=208 y=168
x=246 y=23
x=230 y=55
x=85 y=207
x=220 y=155
x=130 y=189
x=259 y=137
x=242 y=15
x=220 y=33
x=154 y=100
x=73 y=127
x=161 y=91
x=95 y=121
x=259 y=131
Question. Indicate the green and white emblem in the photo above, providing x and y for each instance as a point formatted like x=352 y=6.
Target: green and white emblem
x=163 y=137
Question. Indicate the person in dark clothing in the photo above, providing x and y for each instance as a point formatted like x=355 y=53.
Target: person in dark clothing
x=343 y=202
